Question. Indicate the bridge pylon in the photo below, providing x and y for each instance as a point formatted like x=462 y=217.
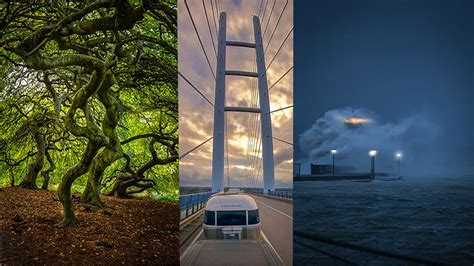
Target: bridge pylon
x=220 y=108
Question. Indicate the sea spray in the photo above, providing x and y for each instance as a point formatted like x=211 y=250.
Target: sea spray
x=354 y=131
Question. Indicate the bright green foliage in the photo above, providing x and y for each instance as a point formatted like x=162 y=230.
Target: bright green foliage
x=96 y=82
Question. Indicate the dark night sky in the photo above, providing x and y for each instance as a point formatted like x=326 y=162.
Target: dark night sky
x=395 y=58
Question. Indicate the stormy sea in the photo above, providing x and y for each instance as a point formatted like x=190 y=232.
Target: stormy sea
x=425 y=218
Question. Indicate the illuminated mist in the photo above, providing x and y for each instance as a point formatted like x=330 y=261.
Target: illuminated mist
x=353 y=132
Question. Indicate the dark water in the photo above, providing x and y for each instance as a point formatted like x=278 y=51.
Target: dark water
x=430 y=218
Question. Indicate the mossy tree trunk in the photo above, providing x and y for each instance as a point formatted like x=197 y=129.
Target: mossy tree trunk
x=96 y=140
x=29 y=181
x=12 y=177
x=46 y=173
x=113 y=150
x=64 y=192
x=91 y=194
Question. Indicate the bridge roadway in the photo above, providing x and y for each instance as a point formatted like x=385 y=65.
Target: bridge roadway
x=276 y=217
x=277 y=225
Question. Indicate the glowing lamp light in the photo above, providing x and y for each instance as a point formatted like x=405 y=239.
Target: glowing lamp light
x=399 y=156
x=356 y=121
x=372 y=153
x=333 y=152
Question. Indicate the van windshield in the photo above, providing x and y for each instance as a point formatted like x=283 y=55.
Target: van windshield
x=231 y=218
x=209 y=218
x=253 y=217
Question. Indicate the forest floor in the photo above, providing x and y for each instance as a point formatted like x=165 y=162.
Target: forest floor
x=126 y=231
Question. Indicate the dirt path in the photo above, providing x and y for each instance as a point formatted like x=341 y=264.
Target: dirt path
x=127 y=231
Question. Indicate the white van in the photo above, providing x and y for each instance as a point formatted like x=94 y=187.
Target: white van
x=231 y=216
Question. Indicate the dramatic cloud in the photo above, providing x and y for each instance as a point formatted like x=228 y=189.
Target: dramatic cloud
x=196 y=115
x=353 y=132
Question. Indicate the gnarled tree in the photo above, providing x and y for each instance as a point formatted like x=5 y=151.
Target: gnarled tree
x=92 y=57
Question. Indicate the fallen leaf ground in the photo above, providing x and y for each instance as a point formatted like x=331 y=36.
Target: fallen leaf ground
x=125 y=232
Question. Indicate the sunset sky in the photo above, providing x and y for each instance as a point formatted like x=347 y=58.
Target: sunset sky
x=196 y=115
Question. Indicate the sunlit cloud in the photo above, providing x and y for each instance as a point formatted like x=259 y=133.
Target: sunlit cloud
x=196 y=114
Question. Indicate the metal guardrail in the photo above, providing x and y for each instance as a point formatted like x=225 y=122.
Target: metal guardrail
x=192 y=203
x=283 y=194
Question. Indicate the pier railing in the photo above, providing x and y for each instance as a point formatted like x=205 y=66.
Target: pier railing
x=191 y=203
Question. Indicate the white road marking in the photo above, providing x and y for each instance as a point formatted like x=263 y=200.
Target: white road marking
x=190 y=245
x=270 y=244
x=275 y=209
x=280 y=201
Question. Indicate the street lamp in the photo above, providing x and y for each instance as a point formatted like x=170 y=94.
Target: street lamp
x=333 y=151
x=372 y=154
x=399 y=156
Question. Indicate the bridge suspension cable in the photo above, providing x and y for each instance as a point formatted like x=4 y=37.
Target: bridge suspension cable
x=249 y=142
x=257 y=174
x=253 y=136
x=281 y=109
x=196 y=89
x=214 y=16
x=227 y=150
x=252 y=147
x=193 y=149
x=260 y=9
x=220 y=6
x=255 y=133
x=284 y=141
x=280 y=78
x=284 y=41
x=256 y=137
x=276 y=26
x=199 y=38
x=217 y=10
x=209 y=26
x=269 y=17
x=264 y=11
x=258 y=159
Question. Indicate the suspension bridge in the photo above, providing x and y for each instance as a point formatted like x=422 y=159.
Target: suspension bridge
x=275 y=204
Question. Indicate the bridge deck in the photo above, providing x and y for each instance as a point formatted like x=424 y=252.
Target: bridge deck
x=228 y=252
x=277 y=225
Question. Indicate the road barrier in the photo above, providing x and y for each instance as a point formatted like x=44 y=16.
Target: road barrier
x=192 y=203
x=282 y=194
